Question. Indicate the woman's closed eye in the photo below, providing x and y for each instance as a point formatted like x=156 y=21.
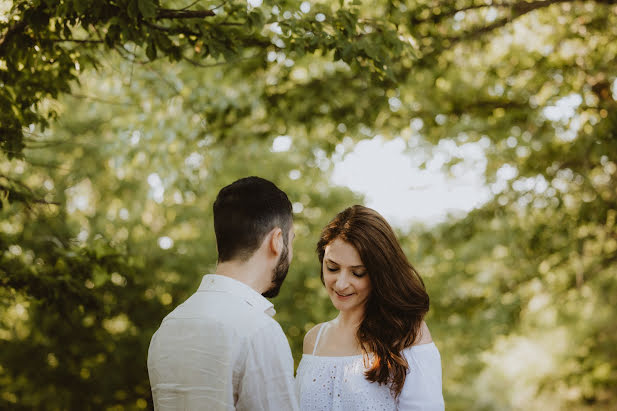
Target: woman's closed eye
x=357 y=274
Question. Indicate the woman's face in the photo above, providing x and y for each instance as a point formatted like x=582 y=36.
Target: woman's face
x=346 y=279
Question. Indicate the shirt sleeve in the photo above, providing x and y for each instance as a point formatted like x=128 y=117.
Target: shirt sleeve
x=266 y=376
x=422 y=390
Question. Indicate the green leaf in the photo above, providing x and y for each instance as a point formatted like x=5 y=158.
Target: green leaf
x=256 y=19
x=151 y=50
x=113 y=34
x=133 y=9
x=147 y=8
x=81 y=6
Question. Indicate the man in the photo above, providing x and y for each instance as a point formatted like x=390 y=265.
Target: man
x=221 y=349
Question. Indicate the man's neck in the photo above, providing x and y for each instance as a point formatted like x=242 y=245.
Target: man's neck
x=246 y=272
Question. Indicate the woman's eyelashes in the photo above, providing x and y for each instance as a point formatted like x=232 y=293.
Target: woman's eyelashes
x=331 y=269
x=355 y=273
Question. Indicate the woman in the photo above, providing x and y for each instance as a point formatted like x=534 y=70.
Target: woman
x=377 y=354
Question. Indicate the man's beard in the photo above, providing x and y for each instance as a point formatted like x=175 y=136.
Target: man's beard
x=278 y=274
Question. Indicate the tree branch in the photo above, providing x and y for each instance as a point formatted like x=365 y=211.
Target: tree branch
x=222 y=63
x=437 y=18
x=100 y=100
x=25 y=195
x=518 y=10
x=184 y=14
x=75 y=41
x=172 y=30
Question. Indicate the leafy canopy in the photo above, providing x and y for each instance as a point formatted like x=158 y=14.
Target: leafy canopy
x=108 y=177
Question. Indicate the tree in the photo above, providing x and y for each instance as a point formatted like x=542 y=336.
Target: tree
x=87 y=282
x=45 y=44
x=526 y=279
x=523 y=283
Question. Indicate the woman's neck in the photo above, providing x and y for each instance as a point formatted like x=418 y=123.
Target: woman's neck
x=349 y=319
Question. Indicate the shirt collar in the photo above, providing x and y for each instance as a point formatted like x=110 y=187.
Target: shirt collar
x=215 y=282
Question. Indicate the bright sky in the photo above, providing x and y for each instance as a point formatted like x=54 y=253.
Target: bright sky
x=388 y=174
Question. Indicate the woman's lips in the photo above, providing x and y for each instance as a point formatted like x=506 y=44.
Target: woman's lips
x=343 y=296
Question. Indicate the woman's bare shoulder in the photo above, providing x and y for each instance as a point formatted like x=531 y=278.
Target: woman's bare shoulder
x=309 y=339
x=424 y=336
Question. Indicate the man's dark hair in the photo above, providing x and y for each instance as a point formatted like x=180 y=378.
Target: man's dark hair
x=244 y=212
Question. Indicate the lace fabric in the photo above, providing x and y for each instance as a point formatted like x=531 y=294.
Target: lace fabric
x=338 y=383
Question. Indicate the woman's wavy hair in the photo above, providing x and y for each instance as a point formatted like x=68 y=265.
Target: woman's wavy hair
x=398 y=301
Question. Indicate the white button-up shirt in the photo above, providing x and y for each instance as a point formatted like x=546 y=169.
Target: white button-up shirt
x=221 y=350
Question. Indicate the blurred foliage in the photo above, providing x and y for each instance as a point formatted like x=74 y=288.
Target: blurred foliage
x=46 y=44
x=107 y=177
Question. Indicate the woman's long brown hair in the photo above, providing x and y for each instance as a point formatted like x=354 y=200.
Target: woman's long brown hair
x=398 y=301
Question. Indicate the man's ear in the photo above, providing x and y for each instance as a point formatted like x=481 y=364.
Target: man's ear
x=276 y=241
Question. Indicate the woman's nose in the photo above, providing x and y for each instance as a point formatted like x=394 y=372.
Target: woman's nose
x=342 y=281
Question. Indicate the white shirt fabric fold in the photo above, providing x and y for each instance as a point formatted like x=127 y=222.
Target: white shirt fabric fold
x=221 y=350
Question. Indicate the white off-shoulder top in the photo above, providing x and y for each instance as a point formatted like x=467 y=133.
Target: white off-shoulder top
x=339 y=384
